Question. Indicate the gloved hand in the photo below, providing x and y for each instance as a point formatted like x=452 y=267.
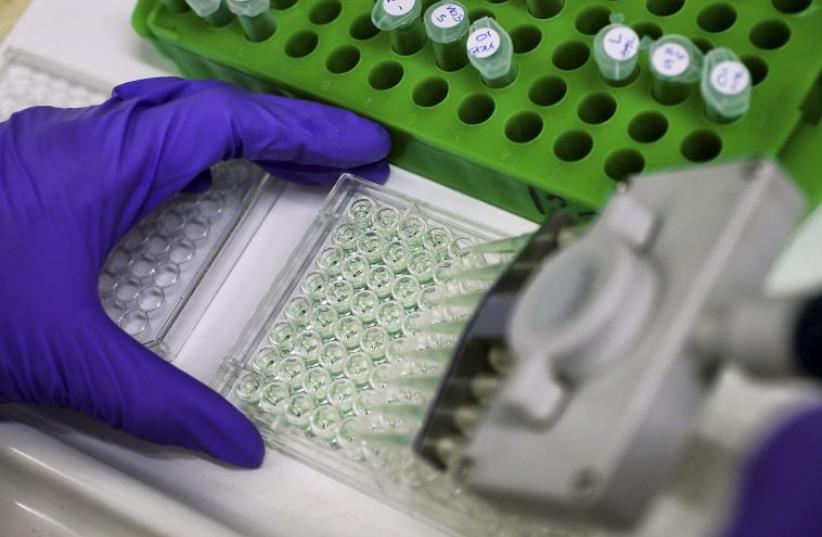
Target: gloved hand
x=72 y=182
x=781 y=491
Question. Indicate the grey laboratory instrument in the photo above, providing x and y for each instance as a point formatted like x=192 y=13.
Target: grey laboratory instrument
x=609 y=345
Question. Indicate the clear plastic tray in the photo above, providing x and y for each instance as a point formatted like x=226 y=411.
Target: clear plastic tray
x=159 y=279
x=348 y=396
x=26 y=81
x=161 y=276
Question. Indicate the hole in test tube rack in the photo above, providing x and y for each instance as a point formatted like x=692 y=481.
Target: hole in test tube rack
x=770 y=35
x=362 y=29
x=664 y=8
x=525 y=38
x=757 y=67
x=648 y=127
x=343 y=59
x=650 y=29
x=570 y=55
x=573 y=146
x=476 y=109
x=325 y=12
x=385 y=75
x=624 y=163
x=597 y=108
x=791 y=6
x=591 y=20
x=524 y=127
x=547 y=91
x=716 y=18
x=701 y=146
x=301 y=44
x=430 y=92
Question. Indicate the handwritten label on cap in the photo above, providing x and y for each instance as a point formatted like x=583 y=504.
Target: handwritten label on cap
x=621 y=43
x=447 y=16
x=730 y=77
x=670 y=59
x=398 y=7
x=483 y=43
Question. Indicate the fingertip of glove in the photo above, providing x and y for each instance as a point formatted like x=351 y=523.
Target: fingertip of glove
x=228 y=435
x=138 y=88
x=376 y=172
x=382 y=141
x=363 y=139
x=245 y=448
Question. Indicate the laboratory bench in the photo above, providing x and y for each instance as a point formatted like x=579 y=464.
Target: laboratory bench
x=63 y=475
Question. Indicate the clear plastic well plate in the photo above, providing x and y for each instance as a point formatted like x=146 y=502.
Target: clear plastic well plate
x=346 y=351
x=159 y=279
x=27 y=81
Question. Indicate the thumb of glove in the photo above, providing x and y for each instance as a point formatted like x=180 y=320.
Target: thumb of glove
x=100 y=371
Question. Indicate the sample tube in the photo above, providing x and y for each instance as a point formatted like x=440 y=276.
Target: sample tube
x=447 y=26
x=401 y=18
x=214 y=11
x=616 y=52
x=178 y=6
x=676 y=63
x=491 y=52
x=726 y=86
x=255 y=17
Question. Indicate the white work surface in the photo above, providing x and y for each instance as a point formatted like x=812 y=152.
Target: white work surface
x=82 y=479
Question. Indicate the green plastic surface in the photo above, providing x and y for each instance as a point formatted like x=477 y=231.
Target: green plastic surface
x=559 y=136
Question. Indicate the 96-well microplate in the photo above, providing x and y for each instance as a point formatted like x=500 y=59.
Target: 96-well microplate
x=347 y=351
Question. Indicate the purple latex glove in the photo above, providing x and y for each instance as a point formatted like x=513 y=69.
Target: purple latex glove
x=781 y=491
x=72 y=182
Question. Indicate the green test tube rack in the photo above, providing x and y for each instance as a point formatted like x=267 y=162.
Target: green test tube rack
x=558 y=136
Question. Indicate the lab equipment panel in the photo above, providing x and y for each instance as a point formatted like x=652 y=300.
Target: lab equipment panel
x=342 y=358
x=558 y=136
